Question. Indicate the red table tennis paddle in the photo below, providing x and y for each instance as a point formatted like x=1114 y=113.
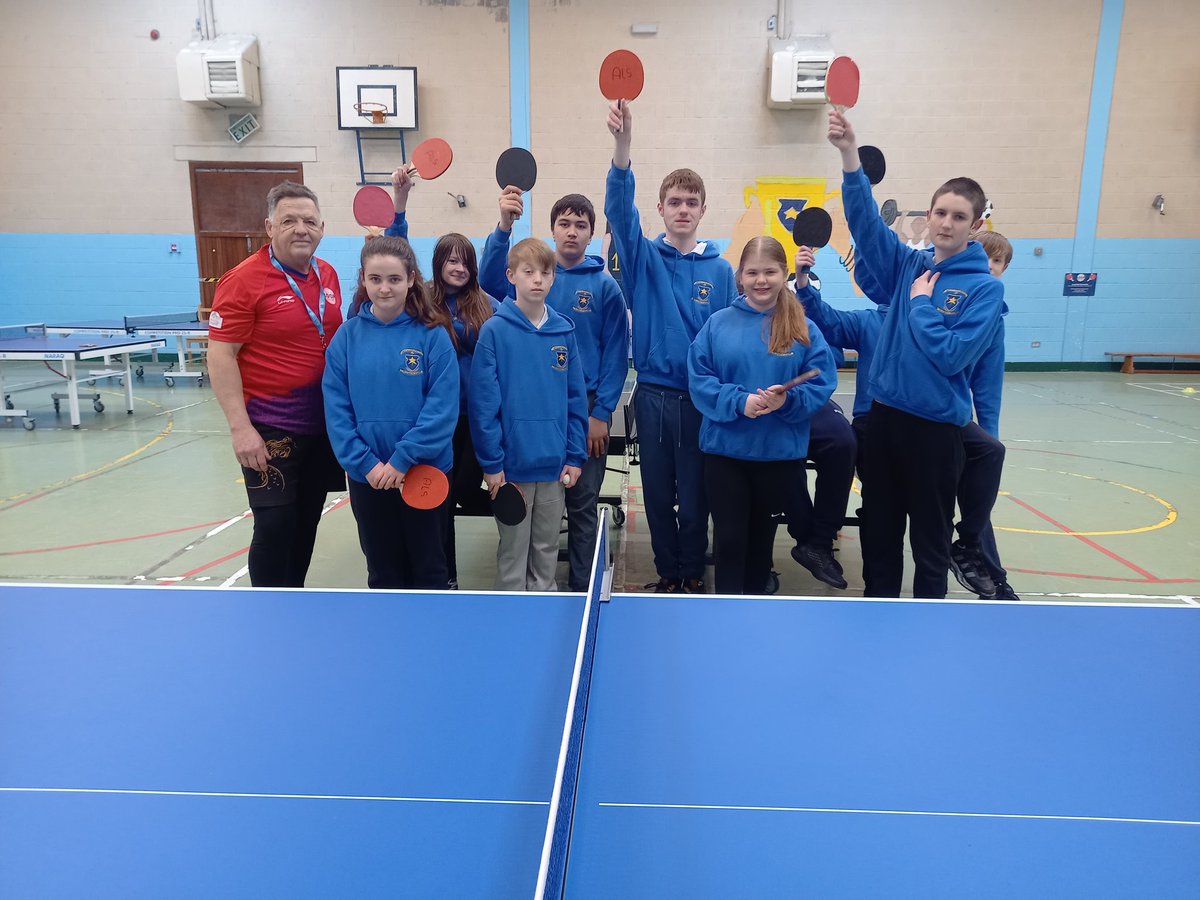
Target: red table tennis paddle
x=622 y=76
x=813 y=228
x=425 y=487
x=431 y=158
x=800 y=379
x=841 y=83
x=516 y=166
x=508 y=506
x=873 y=164
x=373 y=207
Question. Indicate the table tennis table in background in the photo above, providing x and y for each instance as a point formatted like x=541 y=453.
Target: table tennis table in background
x=33 y=342
x=183 y=326
x=175 y=741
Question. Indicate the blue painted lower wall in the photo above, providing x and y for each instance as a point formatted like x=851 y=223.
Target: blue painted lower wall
x=1147 y=298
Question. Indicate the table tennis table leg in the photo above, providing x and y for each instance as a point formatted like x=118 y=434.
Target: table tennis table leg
x=128 y=385
x=72 y=390
x=183 y=369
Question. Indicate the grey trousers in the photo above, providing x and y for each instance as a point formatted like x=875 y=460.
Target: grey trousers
x=527 y=557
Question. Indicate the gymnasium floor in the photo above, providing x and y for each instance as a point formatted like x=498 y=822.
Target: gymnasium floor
x=1099 y=496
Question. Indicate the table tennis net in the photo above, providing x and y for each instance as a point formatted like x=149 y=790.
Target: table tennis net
x=554 y=862
x=159 y=320
x=17 y=332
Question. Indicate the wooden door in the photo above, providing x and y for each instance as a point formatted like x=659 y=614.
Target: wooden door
x=229 y=204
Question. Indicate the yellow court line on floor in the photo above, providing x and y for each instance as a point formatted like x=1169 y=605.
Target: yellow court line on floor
x=1168 y=519
x=167 y=429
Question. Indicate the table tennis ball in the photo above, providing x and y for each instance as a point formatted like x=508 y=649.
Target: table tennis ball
x=1189 y=390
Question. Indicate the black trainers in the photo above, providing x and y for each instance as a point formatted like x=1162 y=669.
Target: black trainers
x=664 y=586
x=1004 y=591
x=820 y=563
x=968 y=567
x=692 y=586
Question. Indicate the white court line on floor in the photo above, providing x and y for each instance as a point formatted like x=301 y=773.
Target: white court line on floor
x=245 y=570
x=167 y=412
x=254 y=796
x=225 y=525
x=900 y=812
x=1172 y=390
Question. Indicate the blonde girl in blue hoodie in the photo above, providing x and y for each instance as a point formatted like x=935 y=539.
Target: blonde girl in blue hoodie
x=391 y=388
x=754 y=433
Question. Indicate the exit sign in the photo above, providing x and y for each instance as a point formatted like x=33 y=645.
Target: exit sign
x=243 y=128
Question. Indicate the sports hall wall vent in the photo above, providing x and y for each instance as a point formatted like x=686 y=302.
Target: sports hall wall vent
x=220 y=72
x=796 y=71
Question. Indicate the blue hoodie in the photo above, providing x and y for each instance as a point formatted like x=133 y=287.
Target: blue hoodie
x=528 y=403
x=466 y=339
x=671 y=294
x=591 y=298
x=856 y=329
x=986 y=377
x=927 y=345
x=729 y=361
x=391 y=394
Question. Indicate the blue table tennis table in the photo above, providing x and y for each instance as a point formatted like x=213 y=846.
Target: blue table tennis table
x=175 y=742
x=33 y=342
x=183 y=326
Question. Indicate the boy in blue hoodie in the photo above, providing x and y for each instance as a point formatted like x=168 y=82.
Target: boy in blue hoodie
x=391 y=401
x=590 y=298
x=674 y=283
x=528 y=409
x=974 y=556
x=945 y=309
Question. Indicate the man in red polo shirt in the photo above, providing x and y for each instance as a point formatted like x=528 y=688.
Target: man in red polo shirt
x=272 y=318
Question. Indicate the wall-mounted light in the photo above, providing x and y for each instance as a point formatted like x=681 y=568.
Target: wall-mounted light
x=1160 y=203
x=643 y=28
x=459 y=199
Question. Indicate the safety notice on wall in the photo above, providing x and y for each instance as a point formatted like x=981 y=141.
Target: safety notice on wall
x=1080 y=284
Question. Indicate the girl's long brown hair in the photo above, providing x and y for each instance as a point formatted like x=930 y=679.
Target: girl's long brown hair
x=473 y=306
x=788 y=324
x=418 y=304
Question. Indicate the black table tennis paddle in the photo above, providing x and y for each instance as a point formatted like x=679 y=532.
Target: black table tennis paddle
x=813 y=228
x=508 y=506
x=516 y=166
x=873 y=163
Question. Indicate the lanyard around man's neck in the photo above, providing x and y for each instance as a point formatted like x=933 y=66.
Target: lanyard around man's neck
x=317 y=318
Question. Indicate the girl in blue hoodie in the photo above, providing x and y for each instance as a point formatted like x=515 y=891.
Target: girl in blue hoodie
x=454 y=287
x=391 y=401
x=754 y=434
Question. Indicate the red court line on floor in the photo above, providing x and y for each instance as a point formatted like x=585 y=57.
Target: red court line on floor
x=1108 y=577
x=1113 y=556
x=215 y=562
x=135 y=537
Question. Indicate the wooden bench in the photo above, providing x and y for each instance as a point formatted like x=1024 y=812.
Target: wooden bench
x=1128 y=369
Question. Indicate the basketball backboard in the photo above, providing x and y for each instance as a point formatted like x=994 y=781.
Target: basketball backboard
x=363 y=88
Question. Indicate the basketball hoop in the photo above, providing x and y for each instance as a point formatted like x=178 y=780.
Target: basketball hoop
x=377 y=111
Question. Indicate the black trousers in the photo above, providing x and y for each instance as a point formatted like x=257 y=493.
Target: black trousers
x=913 y=466
x=465 y=491
x=404 y=547
x=743 y=498
x=287 y=500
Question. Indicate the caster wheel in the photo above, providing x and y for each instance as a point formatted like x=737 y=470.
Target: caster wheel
x=56 y=407
x=121 y=381
x=139 y=373
x=98 y=405
x=773 y=583
x=8 y=404
x=170 y=381
x=29 y=424
x=618 y=516
x=199 y=382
